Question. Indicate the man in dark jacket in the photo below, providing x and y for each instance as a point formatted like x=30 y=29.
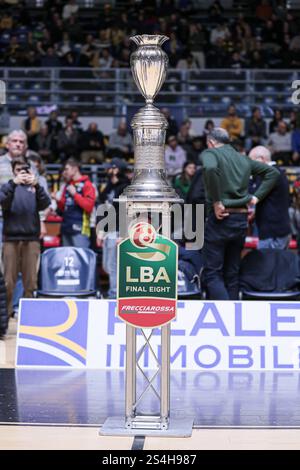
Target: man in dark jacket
x=272 y=214
x=226 y=179
x=117 y=182
x=92 y=144
x=67 y=140
x=255 y=129
x=21 y=199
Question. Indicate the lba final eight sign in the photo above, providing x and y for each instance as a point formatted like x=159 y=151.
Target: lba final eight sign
x=147 y=278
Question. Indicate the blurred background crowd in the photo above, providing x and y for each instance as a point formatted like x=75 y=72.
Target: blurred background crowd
x=62 y=34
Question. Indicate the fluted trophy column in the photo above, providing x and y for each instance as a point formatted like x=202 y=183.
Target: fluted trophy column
x=149 y=67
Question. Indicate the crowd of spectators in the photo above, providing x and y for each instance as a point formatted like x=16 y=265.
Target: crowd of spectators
x=56 y=139
x=59 y=37
x=281 y=135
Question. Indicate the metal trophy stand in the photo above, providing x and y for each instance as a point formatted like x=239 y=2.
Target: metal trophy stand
x=149 y=192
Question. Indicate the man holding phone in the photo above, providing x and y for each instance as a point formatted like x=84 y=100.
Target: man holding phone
x=17 y=147
x=76 y=204
x=21 y=199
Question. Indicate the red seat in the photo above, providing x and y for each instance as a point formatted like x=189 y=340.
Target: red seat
x=51 y=241
x=293 y=245
x=252 y=242
x=54 y=218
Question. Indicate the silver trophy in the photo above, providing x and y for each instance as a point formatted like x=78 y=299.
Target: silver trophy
x=149 y=193
x=149 y=66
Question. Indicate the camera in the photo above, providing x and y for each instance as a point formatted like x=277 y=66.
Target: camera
x=25 y=168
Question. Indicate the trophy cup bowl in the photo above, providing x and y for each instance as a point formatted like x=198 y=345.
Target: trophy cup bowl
x=149 y=65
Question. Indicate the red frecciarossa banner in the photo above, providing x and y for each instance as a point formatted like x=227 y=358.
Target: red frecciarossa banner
x=146 y=312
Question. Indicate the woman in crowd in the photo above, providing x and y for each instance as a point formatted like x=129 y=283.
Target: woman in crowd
x=183 y=181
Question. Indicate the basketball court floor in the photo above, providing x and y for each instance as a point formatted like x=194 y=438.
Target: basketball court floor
x=58 y=409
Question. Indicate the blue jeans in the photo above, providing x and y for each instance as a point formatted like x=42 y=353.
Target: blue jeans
x=109 y=262
x=18 y=292
x=280 y=243
x=78 y=240
x=1 y=237
x=223 y=243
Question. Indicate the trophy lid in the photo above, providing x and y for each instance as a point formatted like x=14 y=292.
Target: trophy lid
x=149 y=39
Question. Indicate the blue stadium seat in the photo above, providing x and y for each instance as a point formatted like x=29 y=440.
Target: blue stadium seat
x=270 y=274
x=15 y=85
x=188 y=280
x=77 y=47
x=230 y=88
x=244 y=109
x=36 y=86
x=192 y=87
x=270 y=88
x=269 y=99
x=5 y=38
x=68 y=271
x=211 y=88
x=188 y=288
x=226 y=99
x=21 y=29
x=22 y=38
x=12 y=98
x=205 y=99
x=33 y=98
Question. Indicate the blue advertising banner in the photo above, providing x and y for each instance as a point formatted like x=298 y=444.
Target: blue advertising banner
x=56 y=331
x=205 y=335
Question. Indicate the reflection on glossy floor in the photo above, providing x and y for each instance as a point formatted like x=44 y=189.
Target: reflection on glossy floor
x=7 y=347
x=241 y=399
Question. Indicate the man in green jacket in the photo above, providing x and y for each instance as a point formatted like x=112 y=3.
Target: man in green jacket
x=226 y=178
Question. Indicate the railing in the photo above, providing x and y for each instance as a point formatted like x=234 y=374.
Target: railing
x=80 y=3
x=98 y=176
x=96 y=173
x=202 y=4
x=112 y=92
